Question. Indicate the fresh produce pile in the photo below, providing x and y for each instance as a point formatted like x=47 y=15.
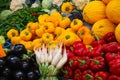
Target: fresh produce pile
x=100 y=61
x=17 y=65
x=61 y=40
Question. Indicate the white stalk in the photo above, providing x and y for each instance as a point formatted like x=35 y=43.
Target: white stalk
x=57 y=56
x=44 y=51
x=63 y=60
x=42 y=56
x=50 y=52
x=38 y=55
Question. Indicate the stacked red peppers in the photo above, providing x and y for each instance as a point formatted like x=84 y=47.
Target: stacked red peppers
x=100 y=61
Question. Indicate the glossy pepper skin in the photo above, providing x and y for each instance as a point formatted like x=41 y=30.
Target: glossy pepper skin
x=109 y=37
x=79 y=51
x=97 y=51
x=111 y=56
x=84 y=63
x=73 y=62
x=69 y=53
x=78 y=47
x=114 y=66
x=88 y=75
x=114 y=77
x=18 y=49
x=77 y=44
x=67 y=72
x=101 y=75
x=98 y=63
x=110 y=47
x=77 y=74
x=98 y=42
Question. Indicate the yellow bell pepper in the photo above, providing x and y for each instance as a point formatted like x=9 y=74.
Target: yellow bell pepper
x=12 y=33
x=28 y=45
x=32 y=27
x=88 y=39
x=52 y=19
x=15 y=40
x=64 y=22
x=47 y=37
x=49 y=27
x=56 y=15
x=82 y=31
x=25 y=35
x=76 y=24
x=39 y=31
x=58 y=31
x=68 y=38
x=42 y=18
x=67 y=7
x=36 y=43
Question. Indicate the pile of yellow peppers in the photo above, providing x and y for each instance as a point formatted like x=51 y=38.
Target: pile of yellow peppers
x=51 y=29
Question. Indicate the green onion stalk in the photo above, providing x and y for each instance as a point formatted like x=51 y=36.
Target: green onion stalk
x=50 y=61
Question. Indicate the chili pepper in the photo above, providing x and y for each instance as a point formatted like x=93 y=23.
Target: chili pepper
x=114 y=77
x=79 y=51
x=114 y=66
x=68 y=73
x=97 y=51
x=35 y=14
x=73 y=62
x=88 y=75
x=77 y=44
x=110 y=47
x=98 y=41
x=84 y=62
x=109 y=37
x=77 y=74
x=101 y=75
x=97 y=63
x=111 y=56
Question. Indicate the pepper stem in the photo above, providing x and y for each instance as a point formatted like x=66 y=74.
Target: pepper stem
x=71 y=62
x=96 y=61
x=96 y=36
x=88 y=76
x=82 y=61
x=65 y=71
x=99 y=78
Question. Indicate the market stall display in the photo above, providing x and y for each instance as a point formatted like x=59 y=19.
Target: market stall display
x=60 y=40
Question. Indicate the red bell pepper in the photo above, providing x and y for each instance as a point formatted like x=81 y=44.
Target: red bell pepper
x=77 y=74
x=98 y=63
x=69 y=53
x=114 y=77
x=101 y=75
x=79 y=51
x=98 y=42
x=77 y=44
x=84 y=63
x=73 y=62
x=87 y=52
x=97 y=51
x=118 y=47
x=110 y=47
x=67 y=72
x=88 y=75
x=114 y=66
x=109 y=37
x=111 y=56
